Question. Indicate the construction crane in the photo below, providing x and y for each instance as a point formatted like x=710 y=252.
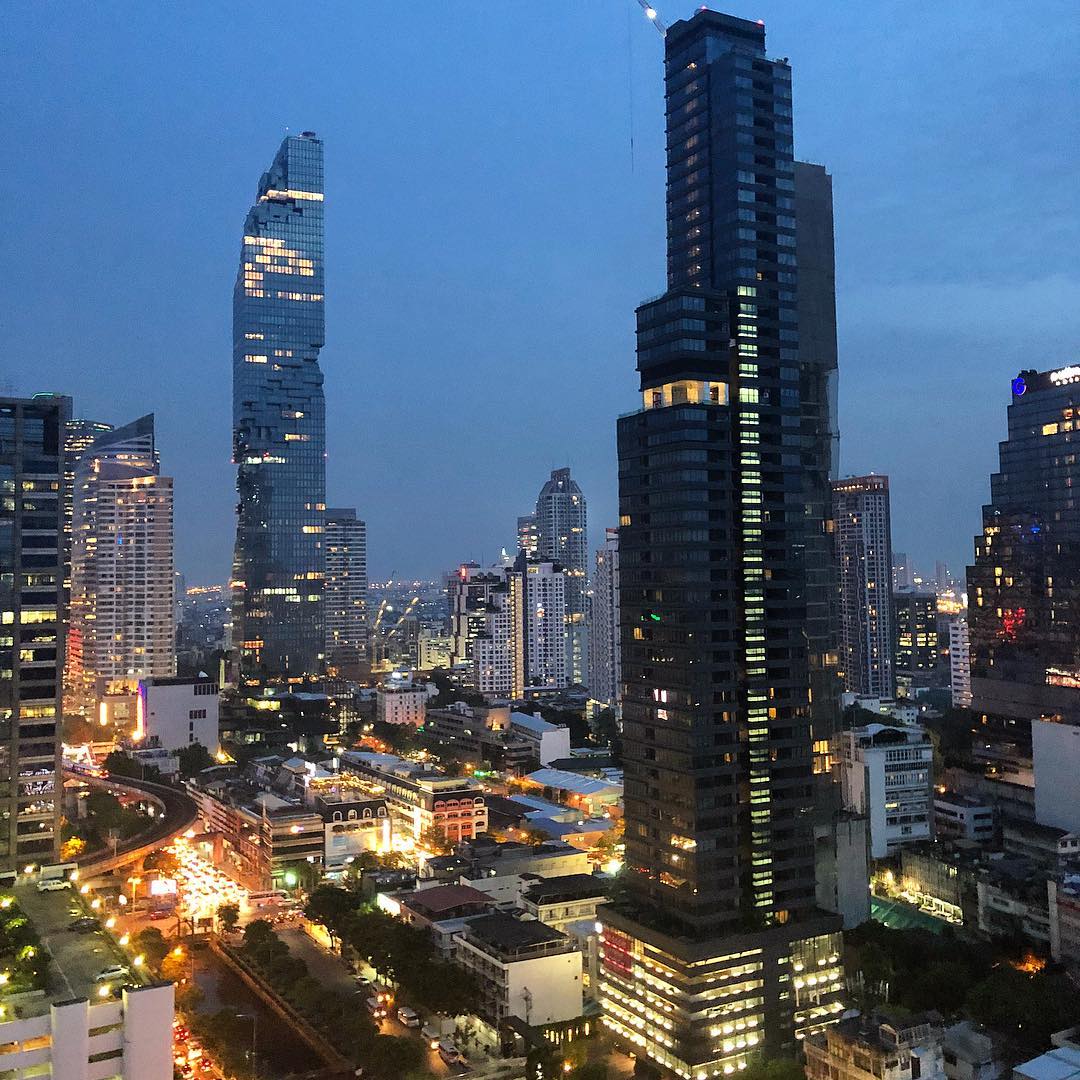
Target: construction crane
x=654 y=18
x=404 y=615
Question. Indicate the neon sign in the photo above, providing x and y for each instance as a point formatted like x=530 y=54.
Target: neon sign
x=1064 y=375
x=1019 y=386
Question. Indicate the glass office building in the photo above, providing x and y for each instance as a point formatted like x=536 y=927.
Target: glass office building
x=718 y=951
x=279 y=439
x=31 y=624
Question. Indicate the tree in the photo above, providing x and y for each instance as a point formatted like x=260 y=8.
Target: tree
x=152 y=944
x=763 y=1068
x=330 y=906
x=120 y=764
x=228 y=916
x=258 y=932
x=193 y=759
x=388 y=1057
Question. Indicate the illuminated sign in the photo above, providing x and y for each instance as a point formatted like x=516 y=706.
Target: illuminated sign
x=163 y=887
x=1065 y=375
x=1019 y=386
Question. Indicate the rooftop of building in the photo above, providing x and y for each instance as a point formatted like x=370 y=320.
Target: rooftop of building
x=1061 y=1063
x=573 y=782
x=535 y=724
x=177 y=680
x=883 y=1033
x=1032 y=830
x=956 y=798
x=509 y=935
x=566 y=889
x=440 y=899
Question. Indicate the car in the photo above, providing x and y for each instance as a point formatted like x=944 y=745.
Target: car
x=157 y=913
x=53 y=885
x=362 y=981
x=113 y=971
x=84 y=924
x=375 y=1007
x=449 y=1052
x=409 y=1017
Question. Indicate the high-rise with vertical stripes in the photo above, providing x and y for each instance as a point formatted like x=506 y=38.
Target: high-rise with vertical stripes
x=279 y=429
x=716 y=949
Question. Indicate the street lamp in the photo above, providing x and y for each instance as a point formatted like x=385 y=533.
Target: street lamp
x=254 y=1029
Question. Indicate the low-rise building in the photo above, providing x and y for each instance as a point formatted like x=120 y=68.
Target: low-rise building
x=885 y=772
x=401 y=701
x=557 y=902
x=961 y=817
x=175 y=713
x=942 y=879
x=524 y=969
x=1061 y=1063
x=549 y=741
x=901 y=711
x=482 y=735
x=422 y=801
x=1044 y=845
x=591 y=795
x=878 y=1046
x=971 y=1053
x=488 y=858
x=1063 y=908
x=1013 y=900
x=841 y=867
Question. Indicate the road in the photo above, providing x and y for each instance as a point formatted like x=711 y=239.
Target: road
x=77 y=958
x=331 y=971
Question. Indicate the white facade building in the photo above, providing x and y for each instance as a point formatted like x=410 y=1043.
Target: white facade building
x=1055 y=752
x=122 y=619
x=493 y=647
x=401 y=702
x=605 y=658
x=960 y=817
x=864 y=549
x=345 y=540
x=886 y=774
x=524 y=969
x=129 y=1039
x=538 y=603
x=175 y=713
x=551 y=741
x=960 y=663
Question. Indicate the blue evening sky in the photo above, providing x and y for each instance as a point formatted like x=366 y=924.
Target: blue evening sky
x=489 y=235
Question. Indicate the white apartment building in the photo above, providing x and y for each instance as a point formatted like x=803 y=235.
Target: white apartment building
x=1055 y=754
x=129 y=1039
x=886 y=774
x=401 y=701
x=551 y=742
x=493 y=647
x=605 y=659
x=174 y=713
x=538 y=603
x=524 y=968
x=345 y=540
x=122 y=620
x=864 y=550
x=960 y=662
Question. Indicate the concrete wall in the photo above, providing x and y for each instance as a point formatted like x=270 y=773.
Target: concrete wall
x=1056 y=755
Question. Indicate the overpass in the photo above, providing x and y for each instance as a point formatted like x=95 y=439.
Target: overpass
x=178 y=813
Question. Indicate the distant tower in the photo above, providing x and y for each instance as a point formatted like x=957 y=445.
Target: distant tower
x=279 y=436
x=562 y=529
x=122 y=620
x=605 y=662
x=528 y=535
x=864 y=550
x=78 y=435
x=346 y=588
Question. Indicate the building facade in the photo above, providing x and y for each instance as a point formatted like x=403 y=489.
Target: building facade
x=864 y=552
x=538 y=592
x=903 y=1049
x=346 y=588
x=32 y=630
x=528 y=536
x=605 y=660
x=175 y=713
x=400 y=701
x=78 y=437
x=886 y=774
x=279 y=427
x=122 y=620
x=713 y=526
x=960 y=663
x=562 y=538
x=1024 y=586
x=1055 y=755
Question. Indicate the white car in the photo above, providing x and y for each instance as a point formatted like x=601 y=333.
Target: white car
x=114 y=971
x=53 y=885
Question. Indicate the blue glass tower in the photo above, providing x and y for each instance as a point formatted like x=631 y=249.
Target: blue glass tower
x=279 y=429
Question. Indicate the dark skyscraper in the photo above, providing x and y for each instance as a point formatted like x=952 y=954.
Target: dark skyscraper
x=279 y=440
x=1024 y=588
x=31 y=634
x=704 y=960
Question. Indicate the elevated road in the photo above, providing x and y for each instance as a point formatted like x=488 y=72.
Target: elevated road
x=178 y=814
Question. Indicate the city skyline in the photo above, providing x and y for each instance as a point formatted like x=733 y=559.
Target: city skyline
x=895 y=254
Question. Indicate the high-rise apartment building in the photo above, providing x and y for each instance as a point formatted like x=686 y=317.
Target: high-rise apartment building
x=562 y=537
x=902 y=573
x=1024 y=587
x=122 y=621
x=470 y=591
x=78 y=436
x=707 y=960
x=818 y=378
x=528 y=535
x=864 y=553
x=605 y=660
x=960 y=662
x=31 y=626
x=346 y=588
x=279 y=429
x=519 y=649
x=915 y=632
